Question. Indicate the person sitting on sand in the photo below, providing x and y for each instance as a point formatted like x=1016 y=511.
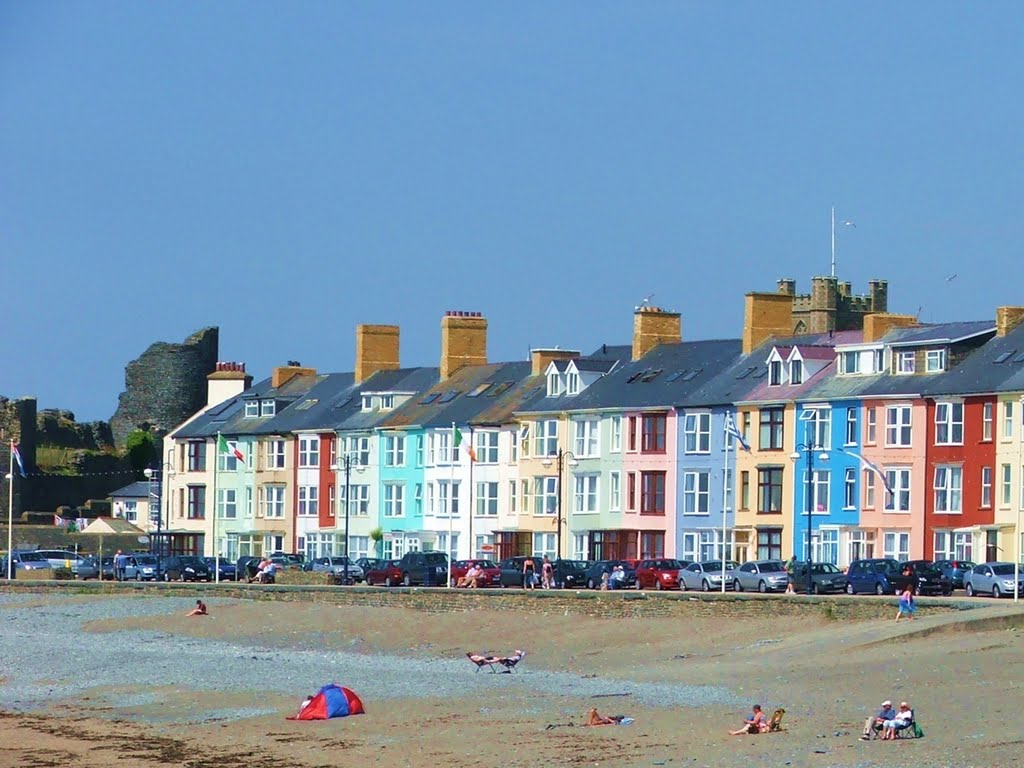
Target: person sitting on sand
x=597 y=719
x=199 y=610
x=877 y=720
x=901 y=720
x=756 y=723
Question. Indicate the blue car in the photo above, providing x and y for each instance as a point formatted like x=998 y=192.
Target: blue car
x=878 y=575
x=227 y=568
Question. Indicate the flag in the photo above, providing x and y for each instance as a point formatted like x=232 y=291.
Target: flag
x=17 y=459
x=457 y=441
x=733 y=430
x=223 y=447
x=874 y=469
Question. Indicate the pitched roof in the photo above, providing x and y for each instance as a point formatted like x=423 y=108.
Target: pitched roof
x=995 y=366
x=938 y=333
x=137 y=490
x=349 y=415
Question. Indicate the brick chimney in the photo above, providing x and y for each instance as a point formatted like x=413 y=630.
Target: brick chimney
x=285 y=373
x=1008 y=318
x=877 y=324
x=463 y=341
x=540 y=359
x=766 y=315
x=226 y=381
x=653 y=326
x=376 y=350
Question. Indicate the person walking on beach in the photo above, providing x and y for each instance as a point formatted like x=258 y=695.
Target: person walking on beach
x=791 y=572
x=120 y=560
x=547 y=574
x=529 y=573
x=907 y=605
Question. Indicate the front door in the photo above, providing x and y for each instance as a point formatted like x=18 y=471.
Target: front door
x=991 y=546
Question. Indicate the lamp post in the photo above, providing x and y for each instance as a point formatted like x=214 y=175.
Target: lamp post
x=159 y=474
x=1020 y=501
x=344 y=464
x=560 y=459
x=809 y=447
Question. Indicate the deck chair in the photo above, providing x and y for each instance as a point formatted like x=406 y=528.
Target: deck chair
x=509 y=662
x=775 y=724
x=482 y=661
x=911 y=730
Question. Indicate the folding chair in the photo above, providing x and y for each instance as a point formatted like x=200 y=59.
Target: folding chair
x=509 y=662
x=484 y=661
x=775 y=724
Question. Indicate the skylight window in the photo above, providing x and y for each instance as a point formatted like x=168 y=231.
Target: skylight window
x=1003 y=357
x=430 y=398
x=676 y=375
x=305 y=405
x=343 y=403
x=650 y=375
x=635 y=376
x=503 y=387
x=448 y=396
x=477 y=391
x=692 y=374
x=746 y=373
x=1019 y=358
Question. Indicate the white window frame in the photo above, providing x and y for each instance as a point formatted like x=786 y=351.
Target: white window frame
x=276 y=454
x=697 y=432
x=869 y=488
x=899 y=431
x=871 y=426
x=1006 y=485
x=948 y=489
x=796 y=371
x=252 y=409
x=616 y=435
x=394 y=450
x=544 y=545
x=986 y=487
x=572 y=383
x=545 y=495
x=615 y=491
x=394 y=500
x=1008 y=419
x=309 y=451
x=935 y=361
x=545 y=437
x=586 y=438
x=900 y=480
x=486 y=446
x=554 y=384
x=820 y=491
x=986 y=422
x=273 y=501
x=585 y=493
x=309 y=501
x=850 y=488
x=486 y=498
x=896 y=545
x=949 y=423
x=443 y=496
x=851 y=426
x=696 y=493
x=227 y=504
x=775 y=373
x=906 y=363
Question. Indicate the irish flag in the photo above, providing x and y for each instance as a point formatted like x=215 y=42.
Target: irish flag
x=223 y=447
x=457 y=440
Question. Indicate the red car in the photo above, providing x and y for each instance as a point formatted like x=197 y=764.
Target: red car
x=491 y=576
x=658 y=574
x=386 y=572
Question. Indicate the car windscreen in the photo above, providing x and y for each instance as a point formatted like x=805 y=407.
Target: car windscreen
x=716 y=565
x=338 y=560
x=435 y=558
x=32 y=557
x=484 y=564
x=145 y=559
x=1003 y=570
x=774 y=565
x=825 y=568
x=889 y=566
x=577 y=565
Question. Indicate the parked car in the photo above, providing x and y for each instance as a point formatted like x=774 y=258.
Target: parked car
x=512 y=569
x=386 y=572
x=762 y=575
x=872 y=575
x=107 y=567
x=570 y=574
x=825 y=578
x=338 y=565
x=247 y=567
x=924 y=578
x=955 y=570
x=186 y=568
x=994 y=579
x=284 y=561
x=81 y=566
x=228 y=570
x=427 y=568
x=599 y=568
x=366 y=563
x=659 y=574
x=492 y=573
x=24 y=560
x=142 y=568
x=707 y=576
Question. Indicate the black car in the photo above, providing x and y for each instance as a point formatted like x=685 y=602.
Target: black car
x=597 y=569
x=923 y=579
x=571 y=574
x=427 y=568
x=954 y=570
x=228 y=570
x=825 y=578
x=186 y=568
x=512 y=569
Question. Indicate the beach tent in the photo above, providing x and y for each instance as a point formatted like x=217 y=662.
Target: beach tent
x=331 y=701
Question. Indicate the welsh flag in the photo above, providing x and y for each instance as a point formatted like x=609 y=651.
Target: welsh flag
x=223 y=447
x=458 y=441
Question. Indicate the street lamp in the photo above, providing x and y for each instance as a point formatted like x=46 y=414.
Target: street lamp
x=559 y=458
x=1020 y=501
x=168 y=470
x=810 y=447
x=345 y=465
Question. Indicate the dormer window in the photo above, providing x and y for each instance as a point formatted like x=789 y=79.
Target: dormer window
x=387 y=402
x=268 y=407
x=572 y=383
x=879 y=359
x=775 y=373
x=935 y=360
x=252 y=409
x=796 y=371
x=367 y=402
x=905 y=362
x=851 y=362
x=554 y=384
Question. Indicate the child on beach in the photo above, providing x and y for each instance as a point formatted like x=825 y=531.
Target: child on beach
x=906 y=605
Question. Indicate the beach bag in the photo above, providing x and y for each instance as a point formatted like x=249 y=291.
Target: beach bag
x=918 y=731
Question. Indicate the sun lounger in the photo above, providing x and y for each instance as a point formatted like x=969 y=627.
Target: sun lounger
x=504 y=664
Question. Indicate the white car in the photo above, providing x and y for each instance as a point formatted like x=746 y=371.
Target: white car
x=762 y=575
x=707 y=576
x=337 y=566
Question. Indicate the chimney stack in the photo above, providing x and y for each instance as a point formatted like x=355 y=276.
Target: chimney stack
x=285 y=373
x=226 y=381
x=877 y=324
x=540 y=359
x=1008 y=318
x=766 y=315
x=376 y=350
x=653 y=326
x=463 y=341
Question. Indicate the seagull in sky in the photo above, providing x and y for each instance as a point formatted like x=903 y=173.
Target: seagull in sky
x=951 y=278
x=848 y=223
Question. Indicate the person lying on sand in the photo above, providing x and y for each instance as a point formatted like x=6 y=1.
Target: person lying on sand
x=594 y=718
x=199 y=610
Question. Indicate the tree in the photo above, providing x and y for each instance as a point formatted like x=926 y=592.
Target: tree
x=377 y=534
x=140 y=448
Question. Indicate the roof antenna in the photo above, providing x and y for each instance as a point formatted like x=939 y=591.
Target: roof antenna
x=645 y=303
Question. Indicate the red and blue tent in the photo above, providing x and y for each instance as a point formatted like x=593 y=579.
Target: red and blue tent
x=331 y=701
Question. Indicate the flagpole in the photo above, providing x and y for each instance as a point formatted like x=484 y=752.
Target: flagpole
x=472 y=496
x=451 y=499
x=833 y=241
x=725 y=498
x=216 y=464
x=10 y=513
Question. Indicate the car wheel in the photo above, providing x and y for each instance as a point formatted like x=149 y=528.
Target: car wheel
x=947 y=591
x=970 y=590
x=762 y=587
x=657 y=586
x=590 y=584
x=406 y=581
x=879 y=590
x=815 y=589
x=849 y=589
x=737 y=585
x=138 y=577
x=166 y=577
x=387 y=582
x=682 y=585
x=181 y=577
x=995 y=591
x=705 y=585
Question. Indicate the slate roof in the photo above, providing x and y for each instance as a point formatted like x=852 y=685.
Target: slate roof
x=937 y=333
x=348 y=414
x=980 y=373
x=225 y=416
x=137 y=490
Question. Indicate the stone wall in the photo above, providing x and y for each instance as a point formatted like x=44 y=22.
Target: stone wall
x=165 y=385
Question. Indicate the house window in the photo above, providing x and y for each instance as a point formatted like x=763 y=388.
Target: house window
x=332 y=500
x=935 y=360
x=227 y=504
x=697 y=433
x=652 y=544
x=1007 y=485
x=850 y=489
x=828 y=546
x=486 y=499
x=899 y=481
x=769 y=544
x=861 y=544
x=484 y=546
x=652 y=493
x=359 y=504
x=228 y=462
x=631 y=445
x=545 y=495
x=850 y=362
x=820 y=482
x=513 y=497
x=417 y=500
x=653 y=434
x=585 y=439
x=544 y=545
x=196 y=456
x=584 y=493
x=546 y=438
x=851 y=426
x=870 y=432
x=1008 y=418
x=963 y=546
x=273 y=506
x=394 y=450
x=572 y=383
x=309 y=451
x=820 y=424
x=775 y=373
x=943 y=545
x=769 y=491
x=524 y=496
x=419 y=450
x=896 y=545
x=131 y=511
x=616 y=438
x=268 y=407
x=796 y=372
x=631 y=491
x=771 y=429
x=905 y=362
x=744 y=490
x=514 y=447
x=359 y=449
x=524 y=439
x=869 y=489
x=554 y=384
x=949 y=423
x=275 y=454
x=879 y=361
x=448 y=498
x=394 y=500
x=308 y=500
x=948 y=485
x=696 y=493
x=897 y=426
x=196 y=502
x=387 y=402
x=986 y=486
x=986 y=422
x=614 y=491
x=252 y=409
x=486 y=447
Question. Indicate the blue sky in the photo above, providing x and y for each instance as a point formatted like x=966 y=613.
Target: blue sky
x=288 y=170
